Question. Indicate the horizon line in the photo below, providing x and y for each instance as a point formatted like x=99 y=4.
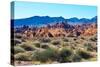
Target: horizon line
x=51 y=17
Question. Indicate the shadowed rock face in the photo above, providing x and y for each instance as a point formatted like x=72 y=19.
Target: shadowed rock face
x=60 y=30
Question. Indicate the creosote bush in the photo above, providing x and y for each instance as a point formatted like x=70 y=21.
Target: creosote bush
x=90 y=47
x=44 y=56
x=22 y=57
x=28 y=47
x=17 y=41
x=65 y=44
x=56 y=42
x=64 y=55
x=65 y=39
x=94 y=39
x=45 y=45
x=18 y=49
x=84 y=54
x=76 y=58
x=37 y=44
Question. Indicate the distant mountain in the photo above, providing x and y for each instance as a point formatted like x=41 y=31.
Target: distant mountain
x=82 y=20
x=44 y=20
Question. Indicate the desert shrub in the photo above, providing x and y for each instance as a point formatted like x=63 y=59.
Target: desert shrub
x=65 y=39
x=83 y=38
x=74 y=39
x=64 y=55
x=71 y=35
x=84 y=54
x=23 y=40
x=22 y=57
x=17 y=41
x=18 y=49
x=37 y=44
x=56 y=42
x=76 y=58
x=28 y=47
x=44 y=55
x=65 y=44
x=45 y=40
x=93 y=39
x=90 y=47
x=45 y=45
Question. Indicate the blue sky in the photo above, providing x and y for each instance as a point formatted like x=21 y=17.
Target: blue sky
x=29 y=9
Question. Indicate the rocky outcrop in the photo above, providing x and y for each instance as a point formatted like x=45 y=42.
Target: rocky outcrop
x=61 y=30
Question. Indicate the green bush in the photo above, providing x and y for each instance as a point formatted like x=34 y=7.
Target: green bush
x=65 y=39
x=18 y=49
x=45 y=45
x=56 y=42
x=64 y=55
x=76 y=58
x=28 y=47
x=93 y=39
x=44 y=55
x=37 y=44
x=16 y=41
x=65 y=44
x=90 y=47
x=22 y=57
x=84 y=54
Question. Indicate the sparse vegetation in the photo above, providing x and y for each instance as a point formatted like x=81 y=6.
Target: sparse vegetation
x=45 y=45
x=94 y=39
x=37 y=44
x=44 y=56
x=76 y=58
x=65 y=54
x=55 y=42
x=28 y=47
x=18 y=49
x=17 y=41
x=22 y=57
x=60 y=50
x=84 y=54
x=65 y=40
x=91 y=47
